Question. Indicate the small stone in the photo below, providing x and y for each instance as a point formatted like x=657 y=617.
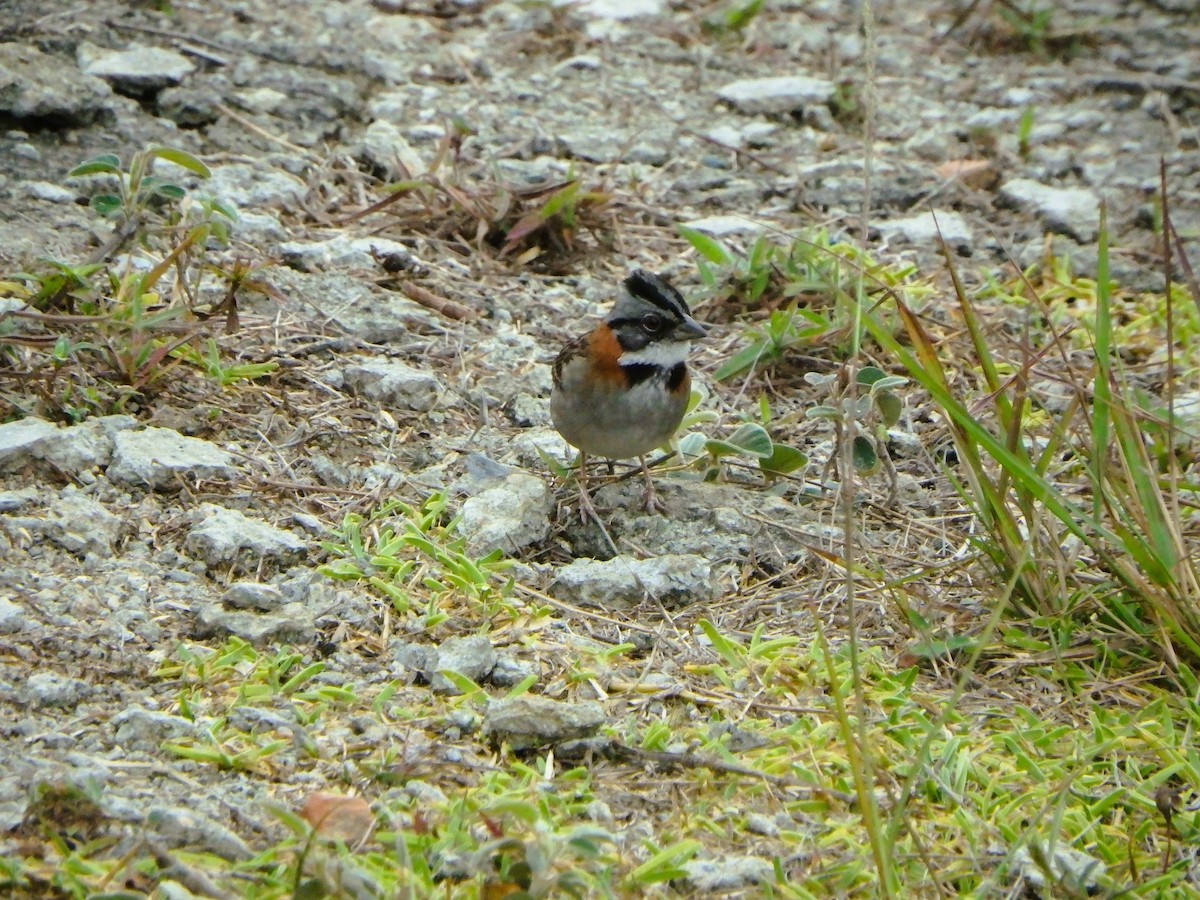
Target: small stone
x=530 y=721
x=162 y=458
x=393 y=384
x=253 y=595
x=782 y=94
x=510 y=671
x=510 y=516
x=473 y=657
x=757 y=823
x=386 y=148
x=24 y=442
x=1073 y=869
x=925 y=227
x=582 y=62
x=614 y=9
x=12 y=617
x=137 y=70
x=226 y=536
x=291 y=623
x=673 y=580
x=48 y=191
x=1074 y=212
x=255 y=187
x=145 y=730
x=722 y=226
x=179 y=827
x=80 y=525
x=11 y=501
x=343 y=252
x=191 y=105
x=38 y=87
x=49 y=689
x=730 y=873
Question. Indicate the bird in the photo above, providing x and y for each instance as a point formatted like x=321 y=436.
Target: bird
x=622 y=389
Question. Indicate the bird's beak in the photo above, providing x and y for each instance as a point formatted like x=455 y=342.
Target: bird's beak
x=690 y=328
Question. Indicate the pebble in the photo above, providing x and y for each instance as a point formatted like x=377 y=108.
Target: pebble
x=530 y=721
x=673 y=580
x=1074 y=212
x=161 y=458
x=782 y=94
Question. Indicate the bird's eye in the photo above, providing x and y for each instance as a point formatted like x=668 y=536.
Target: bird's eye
x=652 y=323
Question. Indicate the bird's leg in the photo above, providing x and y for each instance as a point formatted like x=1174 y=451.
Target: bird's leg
x=650 y=498
x=585 y=501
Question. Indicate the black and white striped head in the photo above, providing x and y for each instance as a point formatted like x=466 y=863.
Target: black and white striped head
x=652 y=321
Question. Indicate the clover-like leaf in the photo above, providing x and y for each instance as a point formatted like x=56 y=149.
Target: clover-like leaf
x=783 y=459
x=889 y=406
x=105 y=204
x=866 y=460
x=868 y=375
x=752 y=439
x=105 y=163
x=181 y=158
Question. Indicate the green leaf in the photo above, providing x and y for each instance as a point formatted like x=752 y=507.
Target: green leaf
x=741 y=16
x=783 y=459
x=708 y=247
x=759 y=351
x=108 y=163
x=870 y=374
x=170 y=191
x=889 y=406
x=180 y=158
x=752 y=438
x=932 y=648
x=718 y=448
x=105 y=204
x=866 y=460
x=693 y=444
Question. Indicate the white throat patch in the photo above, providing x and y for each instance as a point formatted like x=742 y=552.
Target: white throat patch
x=660 y=353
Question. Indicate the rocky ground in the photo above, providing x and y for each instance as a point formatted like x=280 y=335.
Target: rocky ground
x=164 y=546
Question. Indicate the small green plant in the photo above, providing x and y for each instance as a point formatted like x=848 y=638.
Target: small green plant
x=552 y=226
x=99 y=334
x=802 y=292
x=734 y=17
x=1030 y=28
x=749 y=441
x=405 y=551
x=875 y=408
x=1024 y=131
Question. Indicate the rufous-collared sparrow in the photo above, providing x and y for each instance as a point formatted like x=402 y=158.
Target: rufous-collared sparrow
x=622 y=389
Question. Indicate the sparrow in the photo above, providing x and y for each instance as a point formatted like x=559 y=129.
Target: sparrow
x=622 y=389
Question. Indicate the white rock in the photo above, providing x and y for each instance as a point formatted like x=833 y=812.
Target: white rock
x=24 y=442
x=341 y=252
x=45 y=190
x=394 y=384
x=512 y=515
x=729 y=873
x=161 y=458
x=223 y=536
x=923 y=228
x=781 y=94
x=623 y=581
x=138 y=68
x=720 y=226
x=387 y=148
x=1074 y=212
x=244 y=185
x=615 y=9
